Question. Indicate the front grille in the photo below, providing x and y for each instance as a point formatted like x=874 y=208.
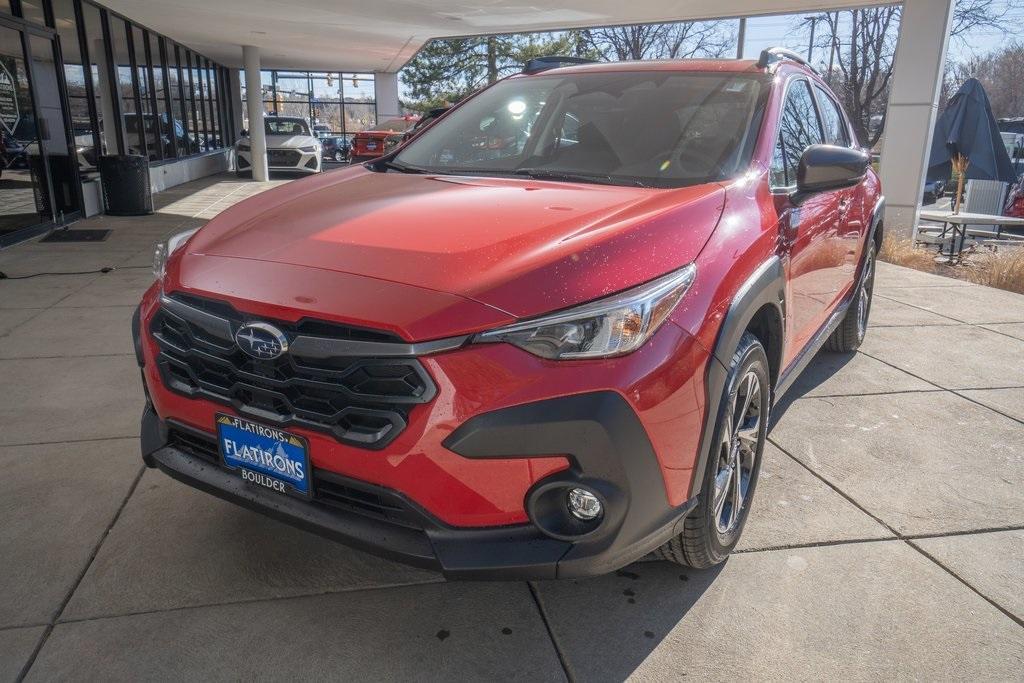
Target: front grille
x=330 y=489
x=194 y=444
x=324 y=382
x=283 y=157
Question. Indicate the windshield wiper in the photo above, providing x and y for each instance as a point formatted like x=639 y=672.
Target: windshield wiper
x=401 y=168
x=572 y=176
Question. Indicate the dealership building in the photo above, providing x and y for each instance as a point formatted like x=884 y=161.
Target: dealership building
x=172 y=80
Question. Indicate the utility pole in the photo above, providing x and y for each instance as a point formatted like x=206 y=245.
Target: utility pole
x=741 y=38
x=810 y=44
x=834 y=29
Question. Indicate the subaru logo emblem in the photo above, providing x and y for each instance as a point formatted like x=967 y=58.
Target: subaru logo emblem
x=261 y=340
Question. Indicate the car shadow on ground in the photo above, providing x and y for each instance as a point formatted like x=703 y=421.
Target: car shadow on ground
x=606 y=627
x=638 y=607
x=824 y=366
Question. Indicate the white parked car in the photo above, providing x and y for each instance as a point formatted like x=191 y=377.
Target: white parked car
x=290 y=147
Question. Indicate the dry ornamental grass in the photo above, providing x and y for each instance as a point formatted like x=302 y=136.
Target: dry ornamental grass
x=1002 y=269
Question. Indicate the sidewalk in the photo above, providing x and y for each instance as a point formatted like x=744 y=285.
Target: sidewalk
x=886 y=538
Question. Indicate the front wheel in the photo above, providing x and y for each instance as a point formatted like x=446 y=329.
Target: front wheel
x=712 y=530
x=850 y=333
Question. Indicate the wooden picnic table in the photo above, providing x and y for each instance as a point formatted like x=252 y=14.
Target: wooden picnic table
x=958 y=222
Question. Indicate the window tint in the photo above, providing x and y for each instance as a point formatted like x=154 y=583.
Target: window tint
x=832 y=120
x=799 y=130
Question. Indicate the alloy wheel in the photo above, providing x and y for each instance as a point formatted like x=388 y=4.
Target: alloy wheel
x=864 y=296
x=737 y=454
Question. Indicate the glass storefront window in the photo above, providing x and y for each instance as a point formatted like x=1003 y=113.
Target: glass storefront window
x=214 y=106
x=78 y=92
x=21 y=180
x=32 y=10
x=334 y=103
x=94 y=43
x=359 y=117
x=203 y=126
x=181 y=123
x=168 y=141
x=358 y=88
x=150 y=129
x=52 y=138
x=125 y=86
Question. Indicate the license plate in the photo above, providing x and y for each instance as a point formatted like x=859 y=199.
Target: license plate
x=371 y=146
x=265 y=456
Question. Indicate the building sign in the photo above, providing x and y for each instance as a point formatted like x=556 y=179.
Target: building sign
x=9 y=112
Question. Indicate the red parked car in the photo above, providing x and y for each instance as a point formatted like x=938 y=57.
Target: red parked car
x=383 y=137
x=542 y=339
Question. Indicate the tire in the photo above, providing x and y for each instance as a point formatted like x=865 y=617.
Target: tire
x=714 y=527
x=338 y=156
x=850 y=333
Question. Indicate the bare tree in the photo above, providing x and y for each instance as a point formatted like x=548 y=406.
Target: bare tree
x=860 y=45
x=680 y=40
x=862 y=64
x=1001 y=72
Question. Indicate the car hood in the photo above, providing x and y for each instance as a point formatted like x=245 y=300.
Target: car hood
x=290 y=141
x=519 y=246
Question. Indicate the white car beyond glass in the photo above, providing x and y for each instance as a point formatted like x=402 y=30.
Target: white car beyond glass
x=290 y=147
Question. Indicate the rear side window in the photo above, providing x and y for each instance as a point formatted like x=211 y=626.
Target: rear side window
x=832 y=120
x=798 y=130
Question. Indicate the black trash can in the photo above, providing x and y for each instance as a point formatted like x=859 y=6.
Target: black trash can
x=126 y=188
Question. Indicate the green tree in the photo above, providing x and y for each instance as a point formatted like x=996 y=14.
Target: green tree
x=445 y=71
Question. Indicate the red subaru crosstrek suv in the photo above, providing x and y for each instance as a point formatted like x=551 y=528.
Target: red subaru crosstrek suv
x=542 y=339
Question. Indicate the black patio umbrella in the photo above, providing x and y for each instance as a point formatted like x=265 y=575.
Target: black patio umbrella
x=968 y=127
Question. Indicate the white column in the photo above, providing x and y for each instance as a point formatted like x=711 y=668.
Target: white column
x=105 y=90
x=254 y=105
x=913 y=101
x=235 y=93
x=385 y=87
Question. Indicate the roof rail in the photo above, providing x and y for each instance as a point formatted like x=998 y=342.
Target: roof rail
x=771 y=55
x=538 y=64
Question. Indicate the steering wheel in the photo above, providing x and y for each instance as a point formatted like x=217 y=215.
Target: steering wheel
x=675 y=158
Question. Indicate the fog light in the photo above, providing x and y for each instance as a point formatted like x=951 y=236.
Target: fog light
x=583 y=504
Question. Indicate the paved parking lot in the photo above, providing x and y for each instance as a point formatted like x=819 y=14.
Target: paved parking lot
x=886 y=540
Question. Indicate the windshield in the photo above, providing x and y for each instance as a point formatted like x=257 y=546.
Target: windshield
x=285 y=127
x=649 y=128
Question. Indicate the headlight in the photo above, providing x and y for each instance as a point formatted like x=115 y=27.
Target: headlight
x=166 y=248
x=613 y=326
x=242 y=147
x=308 y=149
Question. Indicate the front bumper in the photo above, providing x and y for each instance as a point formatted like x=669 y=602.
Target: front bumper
x=292 y=160
x=610 y=454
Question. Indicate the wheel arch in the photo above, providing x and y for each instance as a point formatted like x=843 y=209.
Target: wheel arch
x=759 y=306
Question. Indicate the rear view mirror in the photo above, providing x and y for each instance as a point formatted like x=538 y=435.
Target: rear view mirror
x=828 y=167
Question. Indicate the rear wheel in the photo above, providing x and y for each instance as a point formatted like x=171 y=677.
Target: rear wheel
x=850 y=333
x=712 y=530
x=338 y=156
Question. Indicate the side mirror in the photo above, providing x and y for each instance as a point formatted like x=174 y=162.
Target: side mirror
x=244 y=133
x=828 y=167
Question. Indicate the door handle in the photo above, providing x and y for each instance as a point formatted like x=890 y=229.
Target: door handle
x=844 y=205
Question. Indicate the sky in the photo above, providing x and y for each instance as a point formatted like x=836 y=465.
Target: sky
x=786 y=31
x=790 y=31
